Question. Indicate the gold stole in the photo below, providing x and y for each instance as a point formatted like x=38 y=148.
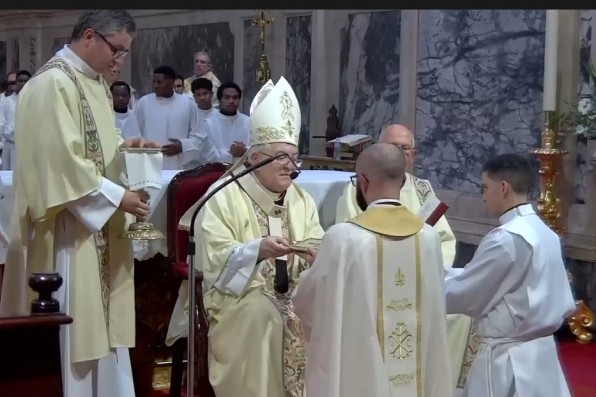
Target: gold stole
x=399 y=325
x=273 y=220
x=93 y=152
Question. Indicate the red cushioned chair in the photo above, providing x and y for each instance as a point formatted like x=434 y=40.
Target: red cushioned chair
x=185 y=189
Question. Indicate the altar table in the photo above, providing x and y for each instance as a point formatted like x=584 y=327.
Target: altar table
x=324 y=186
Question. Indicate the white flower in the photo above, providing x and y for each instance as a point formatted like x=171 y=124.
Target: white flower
x=580 y=129
x=584 y=106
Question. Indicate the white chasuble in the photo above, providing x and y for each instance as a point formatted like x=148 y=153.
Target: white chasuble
x=66 y=219
x=372 y=307
x=247 y=318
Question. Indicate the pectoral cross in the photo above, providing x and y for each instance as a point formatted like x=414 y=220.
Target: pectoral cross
x=261 y=22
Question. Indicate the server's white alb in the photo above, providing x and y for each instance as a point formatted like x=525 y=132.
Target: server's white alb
x=517 y=291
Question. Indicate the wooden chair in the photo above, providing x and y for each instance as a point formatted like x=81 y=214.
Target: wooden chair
x=184 y=190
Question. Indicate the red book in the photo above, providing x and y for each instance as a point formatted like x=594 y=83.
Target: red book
x=432 y=210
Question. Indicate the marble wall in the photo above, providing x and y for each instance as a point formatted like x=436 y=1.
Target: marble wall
x=252 y=52
x=298 y=69
x=480 y=75
x=584 y=170
x=175 y=47
x=369 y=72
x=14 y=49
x=58 y=44
x=3 y=61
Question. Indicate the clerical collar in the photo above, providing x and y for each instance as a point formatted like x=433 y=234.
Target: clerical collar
x=263 y=197
x=121 y=115
x=78 y=62
x=384 y=202
x=518 y=210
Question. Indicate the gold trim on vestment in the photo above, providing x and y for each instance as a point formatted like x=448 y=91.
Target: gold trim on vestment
x=380 y=320
x=418 y=317
x=93 y=152
x=394 y=221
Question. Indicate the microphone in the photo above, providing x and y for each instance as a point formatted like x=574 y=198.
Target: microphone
x=294 y=174
x=190 y=363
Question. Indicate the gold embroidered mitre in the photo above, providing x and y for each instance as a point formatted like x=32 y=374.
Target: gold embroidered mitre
x=275 y=115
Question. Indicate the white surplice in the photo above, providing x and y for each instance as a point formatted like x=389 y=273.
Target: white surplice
x=205 y=114
x=372 y=309
x=8 y=108
x=127 y=124
x=161 y=119
x=516 y=289
x=223 y=130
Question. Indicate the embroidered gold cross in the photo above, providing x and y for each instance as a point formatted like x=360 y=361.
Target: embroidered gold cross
x=400 y=342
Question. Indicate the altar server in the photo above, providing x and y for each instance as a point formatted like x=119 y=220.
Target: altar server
x=517 y=291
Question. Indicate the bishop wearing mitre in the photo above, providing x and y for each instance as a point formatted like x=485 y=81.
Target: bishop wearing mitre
x=256 y=346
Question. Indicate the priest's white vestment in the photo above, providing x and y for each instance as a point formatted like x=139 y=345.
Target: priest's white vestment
x=256 y=348
x=517 y=291
x=372 y=308
x=66 y=219
x=413 y=195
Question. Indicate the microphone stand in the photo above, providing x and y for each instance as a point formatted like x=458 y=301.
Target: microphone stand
x=190 y=362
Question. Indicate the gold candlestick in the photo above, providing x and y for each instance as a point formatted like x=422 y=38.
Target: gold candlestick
x=263 y=73
x=549 y=208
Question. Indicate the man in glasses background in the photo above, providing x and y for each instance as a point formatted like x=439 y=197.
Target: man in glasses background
x=69 y=206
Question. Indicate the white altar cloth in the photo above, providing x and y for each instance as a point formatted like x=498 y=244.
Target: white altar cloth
x=324 y=186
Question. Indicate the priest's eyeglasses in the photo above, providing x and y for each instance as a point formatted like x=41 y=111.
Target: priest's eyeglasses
x=354 y=179
x=286 y=160
x=116 y=53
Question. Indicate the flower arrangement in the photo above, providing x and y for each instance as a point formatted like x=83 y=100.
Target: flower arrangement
x=583 y=118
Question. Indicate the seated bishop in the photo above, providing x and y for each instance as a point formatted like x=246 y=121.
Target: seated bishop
x=243 y=233
x=413 y=195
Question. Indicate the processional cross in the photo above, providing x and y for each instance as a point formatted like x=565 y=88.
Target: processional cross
x=263 y=71
x=262 y=22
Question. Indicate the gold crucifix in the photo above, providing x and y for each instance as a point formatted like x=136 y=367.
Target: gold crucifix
x=261 y=22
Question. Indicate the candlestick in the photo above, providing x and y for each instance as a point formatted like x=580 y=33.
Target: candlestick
x=550 y=60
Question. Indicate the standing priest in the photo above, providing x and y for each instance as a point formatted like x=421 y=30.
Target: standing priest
x=69 y=206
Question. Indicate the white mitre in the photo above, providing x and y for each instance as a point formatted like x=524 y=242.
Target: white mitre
x=274 y=118
x=275 y=115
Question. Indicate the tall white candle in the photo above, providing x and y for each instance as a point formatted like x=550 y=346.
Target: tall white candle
x=550 y=60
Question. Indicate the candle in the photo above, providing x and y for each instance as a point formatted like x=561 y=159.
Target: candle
x=550 y=60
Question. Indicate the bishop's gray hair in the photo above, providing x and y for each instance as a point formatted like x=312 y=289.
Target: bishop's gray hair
x=104 y=22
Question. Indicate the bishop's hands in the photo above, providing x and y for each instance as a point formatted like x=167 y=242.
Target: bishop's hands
x=237 y=149
x=135 y=203
x=273 y=247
